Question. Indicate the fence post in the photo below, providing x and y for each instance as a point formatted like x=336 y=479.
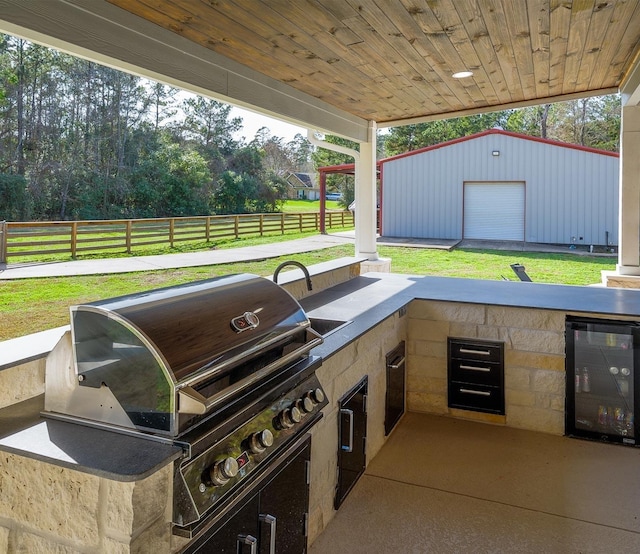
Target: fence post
x=261 y=225
x=3 y=242
x=128 y=237
x=171 y=229
x=207 y=228
x=282 y=223
x=74 y=239
x=236 y=226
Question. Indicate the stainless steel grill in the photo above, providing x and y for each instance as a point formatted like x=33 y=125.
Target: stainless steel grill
x=221 y=367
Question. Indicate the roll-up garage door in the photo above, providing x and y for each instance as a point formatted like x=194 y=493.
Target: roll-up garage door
x=494 y=211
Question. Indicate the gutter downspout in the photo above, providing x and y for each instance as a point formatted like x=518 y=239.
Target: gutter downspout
x=365 y=190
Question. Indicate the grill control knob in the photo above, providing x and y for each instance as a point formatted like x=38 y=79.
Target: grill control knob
x=259 y=442
x=289 y=417
x=305 y=404
x=220 y=473
x=316 y=396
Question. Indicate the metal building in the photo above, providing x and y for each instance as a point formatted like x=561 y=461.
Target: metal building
x=503 y=186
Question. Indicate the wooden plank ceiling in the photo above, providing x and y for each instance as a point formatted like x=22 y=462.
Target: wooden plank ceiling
x=393 y=60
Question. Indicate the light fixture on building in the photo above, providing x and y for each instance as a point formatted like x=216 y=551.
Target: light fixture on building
x=462 y=74
x=495 y=153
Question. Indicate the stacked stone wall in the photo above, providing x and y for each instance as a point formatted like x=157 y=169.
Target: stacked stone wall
x=339 y=374
x=52 y=509
x=534 y=360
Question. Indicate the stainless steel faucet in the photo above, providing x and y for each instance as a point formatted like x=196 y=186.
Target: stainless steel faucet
x=297 y=264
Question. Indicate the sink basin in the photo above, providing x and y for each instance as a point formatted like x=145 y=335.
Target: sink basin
x=325 y=327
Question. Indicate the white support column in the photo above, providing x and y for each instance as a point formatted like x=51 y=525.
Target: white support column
x=629 y=212
x=366 y=197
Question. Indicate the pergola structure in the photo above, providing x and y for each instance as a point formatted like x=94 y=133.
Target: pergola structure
x=343 y=169
x=349 y=67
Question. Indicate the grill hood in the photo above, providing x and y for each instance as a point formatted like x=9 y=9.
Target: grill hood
x=164 y=359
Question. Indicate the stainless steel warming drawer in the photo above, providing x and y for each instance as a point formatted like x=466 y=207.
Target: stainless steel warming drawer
x=476 y=375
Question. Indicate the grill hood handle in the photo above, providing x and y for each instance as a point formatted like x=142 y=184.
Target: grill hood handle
x=190 y=401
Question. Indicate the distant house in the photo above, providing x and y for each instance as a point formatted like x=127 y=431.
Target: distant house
x=303 y=186
x=503 y=186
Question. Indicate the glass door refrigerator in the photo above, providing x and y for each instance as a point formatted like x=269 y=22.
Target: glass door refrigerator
x=602 y=396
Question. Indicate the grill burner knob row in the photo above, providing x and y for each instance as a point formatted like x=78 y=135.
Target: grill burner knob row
x=289 y=417
x=220 y=473
x=259 y=442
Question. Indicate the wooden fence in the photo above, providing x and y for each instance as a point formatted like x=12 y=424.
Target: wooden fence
x=31 y=239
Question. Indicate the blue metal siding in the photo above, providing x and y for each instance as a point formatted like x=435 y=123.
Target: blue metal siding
x=569 y=192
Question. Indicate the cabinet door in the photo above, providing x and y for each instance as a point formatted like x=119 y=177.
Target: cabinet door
x=238 y=534
x=396 y=381
x=352 y=433
x=284 y=504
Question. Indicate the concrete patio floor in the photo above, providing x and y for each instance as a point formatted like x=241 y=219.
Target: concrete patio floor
x=442 y=485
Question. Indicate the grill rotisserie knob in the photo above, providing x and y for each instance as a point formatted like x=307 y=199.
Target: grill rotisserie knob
x=289 y=417
x=220 y=472
x=259 y=442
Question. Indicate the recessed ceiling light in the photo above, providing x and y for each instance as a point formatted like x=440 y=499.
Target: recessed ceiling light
x=462 y=74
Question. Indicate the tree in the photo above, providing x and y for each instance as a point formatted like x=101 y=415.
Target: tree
x=231 y=193
x=14 y=201
x=283 y=158
x=162 y=101
x=170 y=181
x=593 y=122
x=411 y=137
x=207 y=123
x=246 y=160
x=532 y=121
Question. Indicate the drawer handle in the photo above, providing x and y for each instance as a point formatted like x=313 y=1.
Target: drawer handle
x=476 y=392
x=479 y=352
x=270 y=522
x=474 y=368
x=247 y=540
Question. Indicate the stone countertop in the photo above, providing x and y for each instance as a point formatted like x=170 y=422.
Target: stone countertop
x=371 y=298
x=30 y=347
x=365 y=300
x=115 y=456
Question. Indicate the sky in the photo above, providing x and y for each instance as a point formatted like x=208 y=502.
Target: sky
x=252 y=122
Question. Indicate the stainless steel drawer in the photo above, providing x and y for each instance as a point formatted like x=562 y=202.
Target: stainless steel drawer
x=479 y=372
x=472 y=350
x=475 y=374
x=476 y=397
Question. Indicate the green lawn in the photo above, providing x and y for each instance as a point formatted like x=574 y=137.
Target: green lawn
x=31 y=305
x=297 y=206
